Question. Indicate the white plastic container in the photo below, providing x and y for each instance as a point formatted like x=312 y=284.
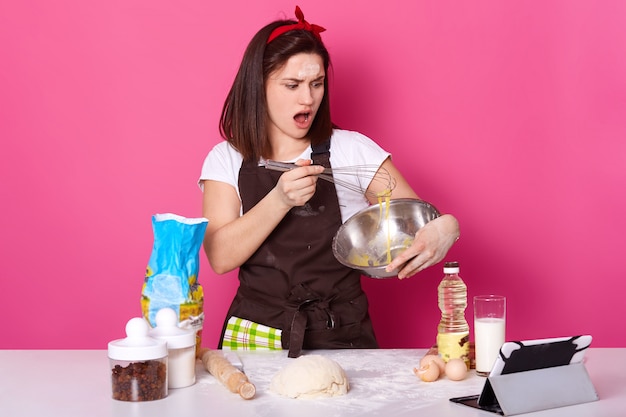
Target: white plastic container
x=138 y=364
x=181 y=348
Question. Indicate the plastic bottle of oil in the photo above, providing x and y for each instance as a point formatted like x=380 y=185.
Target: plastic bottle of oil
x=453 y=330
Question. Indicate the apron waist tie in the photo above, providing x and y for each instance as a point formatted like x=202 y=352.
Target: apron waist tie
x=301 y=302
x=299 y=324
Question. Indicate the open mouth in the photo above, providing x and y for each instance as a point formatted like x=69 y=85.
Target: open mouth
x=302 y=118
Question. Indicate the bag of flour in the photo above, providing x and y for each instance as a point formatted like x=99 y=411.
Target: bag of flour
x=172 y=272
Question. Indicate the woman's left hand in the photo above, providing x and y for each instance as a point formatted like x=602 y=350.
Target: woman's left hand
x=431 y=244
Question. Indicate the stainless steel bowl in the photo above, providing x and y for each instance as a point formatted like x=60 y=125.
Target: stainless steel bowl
x=361 y=242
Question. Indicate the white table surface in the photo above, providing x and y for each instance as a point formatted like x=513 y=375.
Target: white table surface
x=77 y=383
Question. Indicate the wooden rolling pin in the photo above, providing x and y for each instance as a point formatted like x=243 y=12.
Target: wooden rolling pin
x=231 y=377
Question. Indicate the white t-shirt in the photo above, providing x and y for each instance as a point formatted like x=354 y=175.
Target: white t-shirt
x=348 y=149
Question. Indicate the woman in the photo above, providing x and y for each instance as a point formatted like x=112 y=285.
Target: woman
x=277 y=227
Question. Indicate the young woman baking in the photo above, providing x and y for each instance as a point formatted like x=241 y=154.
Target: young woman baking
x=277 y=227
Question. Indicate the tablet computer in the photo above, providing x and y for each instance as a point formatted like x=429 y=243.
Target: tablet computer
x=528 y=355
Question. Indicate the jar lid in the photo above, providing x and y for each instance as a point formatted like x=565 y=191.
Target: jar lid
x=137 y=345
x=167 y=329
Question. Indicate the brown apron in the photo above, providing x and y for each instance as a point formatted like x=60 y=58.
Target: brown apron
x=293 y=281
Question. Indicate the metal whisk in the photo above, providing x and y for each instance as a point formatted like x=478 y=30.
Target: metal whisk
x=355 y=178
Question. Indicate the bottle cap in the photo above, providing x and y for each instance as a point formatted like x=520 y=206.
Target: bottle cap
x=167 y=329
x=451 y=268
x=137 y=345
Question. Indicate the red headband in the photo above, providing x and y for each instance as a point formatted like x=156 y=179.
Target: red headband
x=302 y=24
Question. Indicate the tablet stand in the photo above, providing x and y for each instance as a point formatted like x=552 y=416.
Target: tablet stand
x=540 y=389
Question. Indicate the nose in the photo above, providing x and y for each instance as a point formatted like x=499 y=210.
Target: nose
x=306 y=95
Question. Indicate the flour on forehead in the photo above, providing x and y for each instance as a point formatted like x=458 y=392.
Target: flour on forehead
x=308 y=70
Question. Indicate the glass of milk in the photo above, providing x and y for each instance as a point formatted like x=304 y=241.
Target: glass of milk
x=489 y=330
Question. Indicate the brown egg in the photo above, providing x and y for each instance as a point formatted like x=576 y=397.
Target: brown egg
x=435 y=358
x=456 y=369
x=429 y=372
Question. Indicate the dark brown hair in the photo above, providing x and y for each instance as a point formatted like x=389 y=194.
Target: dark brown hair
x=243 y=122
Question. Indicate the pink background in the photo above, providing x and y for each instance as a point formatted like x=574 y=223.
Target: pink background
x=509 y=114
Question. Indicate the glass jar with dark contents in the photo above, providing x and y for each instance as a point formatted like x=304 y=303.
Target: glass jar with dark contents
x=138 y=364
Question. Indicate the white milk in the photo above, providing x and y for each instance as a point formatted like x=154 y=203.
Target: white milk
x=489 y=337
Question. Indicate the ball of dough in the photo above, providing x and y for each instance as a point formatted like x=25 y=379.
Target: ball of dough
x=310 y=376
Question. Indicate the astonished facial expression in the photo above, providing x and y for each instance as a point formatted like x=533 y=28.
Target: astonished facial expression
x=294 y=94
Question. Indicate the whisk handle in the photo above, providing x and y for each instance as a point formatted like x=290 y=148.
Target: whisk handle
x=285 y=166
x=278 y=166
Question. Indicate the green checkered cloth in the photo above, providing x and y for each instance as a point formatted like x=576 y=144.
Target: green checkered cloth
x=242 y=334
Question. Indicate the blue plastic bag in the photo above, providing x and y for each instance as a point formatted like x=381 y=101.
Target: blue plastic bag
x=172 y=273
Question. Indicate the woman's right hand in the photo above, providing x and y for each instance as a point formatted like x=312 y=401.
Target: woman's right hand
x=295 y=187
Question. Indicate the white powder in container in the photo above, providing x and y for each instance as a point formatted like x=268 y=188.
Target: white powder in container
x=181 y=349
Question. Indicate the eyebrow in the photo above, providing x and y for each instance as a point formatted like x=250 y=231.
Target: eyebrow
x=299 y=80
